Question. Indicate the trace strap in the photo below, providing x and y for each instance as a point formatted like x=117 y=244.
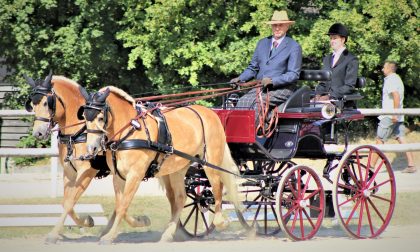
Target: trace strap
x=166 y=149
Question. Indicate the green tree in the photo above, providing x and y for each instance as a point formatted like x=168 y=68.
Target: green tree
x=73 y=38
x=379 y=30
x=141 y=45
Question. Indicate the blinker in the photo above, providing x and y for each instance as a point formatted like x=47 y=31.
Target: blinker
x=80 y=113
x=28 y=106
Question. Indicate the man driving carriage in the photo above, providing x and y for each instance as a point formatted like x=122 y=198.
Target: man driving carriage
x=276 y=61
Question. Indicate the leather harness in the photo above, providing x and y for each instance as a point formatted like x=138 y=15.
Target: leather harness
x=69 y=140
x=163 y=145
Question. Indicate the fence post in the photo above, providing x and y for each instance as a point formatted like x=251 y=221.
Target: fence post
x=54 y=164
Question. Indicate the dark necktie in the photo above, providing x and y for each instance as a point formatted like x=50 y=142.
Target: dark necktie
x=275 y=44
x=332 y=60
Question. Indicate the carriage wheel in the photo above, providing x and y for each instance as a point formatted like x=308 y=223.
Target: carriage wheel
x=258 y=198
x=295 y=200
x=364 y=195
x=196 y=219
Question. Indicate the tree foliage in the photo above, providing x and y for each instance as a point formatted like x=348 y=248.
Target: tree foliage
x=141 y=45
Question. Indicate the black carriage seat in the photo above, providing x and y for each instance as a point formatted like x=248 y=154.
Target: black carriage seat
x=360 y=83
x=300 y=99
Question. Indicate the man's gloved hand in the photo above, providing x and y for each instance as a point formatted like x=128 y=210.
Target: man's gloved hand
x=267 y=82
x=234 y=82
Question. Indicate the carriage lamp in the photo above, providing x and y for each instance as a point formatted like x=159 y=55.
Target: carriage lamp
x=328 y=111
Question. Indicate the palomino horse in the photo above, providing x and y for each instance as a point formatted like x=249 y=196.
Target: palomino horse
x=55 y=101
x=195 y=130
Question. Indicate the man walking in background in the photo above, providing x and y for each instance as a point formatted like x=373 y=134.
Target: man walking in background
x=393 y=125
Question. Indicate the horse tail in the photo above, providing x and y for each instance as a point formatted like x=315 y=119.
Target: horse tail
x=229 y=180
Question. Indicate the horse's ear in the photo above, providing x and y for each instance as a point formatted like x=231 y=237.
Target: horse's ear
x=102 y=96
x=80 y=113
x=29 y=80
x=84 y=93
x=47 y=81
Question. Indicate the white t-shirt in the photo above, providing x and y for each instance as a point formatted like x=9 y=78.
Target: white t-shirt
x=392 y=83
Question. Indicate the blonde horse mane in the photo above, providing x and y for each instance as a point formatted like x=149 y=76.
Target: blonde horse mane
x=62 y=79
x=120 y=93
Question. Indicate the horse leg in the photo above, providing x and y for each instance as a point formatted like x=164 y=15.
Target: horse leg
x=73 y=189
x=82 y=183
x=118 y=190
x=137 y=221
x=179 y=198
x=169 y=193
x=217 y=186
x=131 y=185
x=220 y=180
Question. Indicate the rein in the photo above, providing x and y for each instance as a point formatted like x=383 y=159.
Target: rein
x=69 y=126
x=217 y=92
x=249 y=85
x=167 y=149
x=150 y=98
x=265 y=128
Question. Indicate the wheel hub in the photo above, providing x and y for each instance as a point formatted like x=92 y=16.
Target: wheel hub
x=366 y=193
x=303 y=203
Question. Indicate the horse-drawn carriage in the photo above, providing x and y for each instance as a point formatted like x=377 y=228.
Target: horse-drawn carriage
x=187 y=148
x=278 y=194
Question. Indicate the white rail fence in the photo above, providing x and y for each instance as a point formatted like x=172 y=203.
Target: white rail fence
x=53 y=151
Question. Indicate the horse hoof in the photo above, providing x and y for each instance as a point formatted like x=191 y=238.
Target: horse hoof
x=88 y=221
x=51 y=239
x=143 y=221
x=169 y=233
x=222 y=226
x=166 y=238
x=105 y=242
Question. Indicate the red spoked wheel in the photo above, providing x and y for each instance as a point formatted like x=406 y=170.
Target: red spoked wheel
x=257 y=195
x=364 y=194
x=297 y=189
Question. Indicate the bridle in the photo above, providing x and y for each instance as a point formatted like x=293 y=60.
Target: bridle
x=51 y=103
x=97 y=107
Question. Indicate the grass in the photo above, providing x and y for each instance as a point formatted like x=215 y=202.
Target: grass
x=157 y=208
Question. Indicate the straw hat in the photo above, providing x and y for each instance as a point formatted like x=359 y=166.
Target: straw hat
x=280 y=17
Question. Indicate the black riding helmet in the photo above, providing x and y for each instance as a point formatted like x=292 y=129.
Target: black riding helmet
x=338 y=29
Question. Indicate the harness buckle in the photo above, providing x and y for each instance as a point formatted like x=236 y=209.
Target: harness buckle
x=113 y=146
x=170 y=151
x=136 y=125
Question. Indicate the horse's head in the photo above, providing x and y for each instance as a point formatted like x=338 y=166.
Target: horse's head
x=95 y=113
x=42 y=101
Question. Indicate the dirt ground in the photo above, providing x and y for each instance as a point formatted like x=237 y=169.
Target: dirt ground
x=393 y=239
x=396 y=238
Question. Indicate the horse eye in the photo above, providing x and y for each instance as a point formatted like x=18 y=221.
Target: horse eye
x=45 y=104
x=101 y=119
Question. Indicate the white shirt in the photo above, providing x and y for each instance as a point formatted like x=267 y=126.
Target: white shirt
x=337 y=55
x=392 y=83
x=278 y=41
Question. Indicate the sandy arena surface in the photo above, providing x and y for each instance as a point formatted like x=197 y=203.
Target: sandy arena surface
x=395 y=238
x=404 y=238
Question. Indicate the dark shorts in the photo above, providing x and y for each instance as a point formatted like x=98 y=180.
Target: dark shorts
x=386 y=129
